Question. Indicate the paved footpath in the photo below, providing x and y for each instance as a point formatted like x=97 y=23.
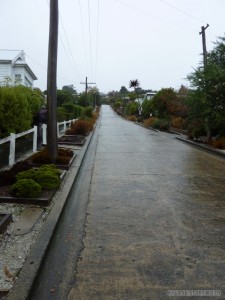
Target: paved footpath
x=156 y=217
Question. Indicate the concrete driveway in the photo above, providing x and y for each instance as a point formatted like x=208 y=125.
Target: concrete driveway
x=156 y=217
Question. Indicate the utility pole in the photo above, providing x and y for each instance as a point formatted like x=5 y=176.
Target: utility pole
x=86 y=88
x=52 y=140
x=204 y=44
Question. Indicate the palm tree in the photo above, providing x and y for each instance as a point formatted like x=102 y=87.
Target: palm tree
x=134 y=84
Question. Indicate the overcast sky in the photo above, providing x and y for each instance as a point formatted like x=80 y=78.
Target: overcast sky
x=113 y=41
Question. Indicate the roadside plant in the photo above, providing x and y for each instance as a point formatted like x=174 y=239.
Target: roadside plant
x=26 y=188
x=47 y=176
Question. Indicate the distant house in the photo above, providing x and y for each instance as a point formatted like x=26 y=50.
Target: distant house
x=14 y=69
x=149 y=95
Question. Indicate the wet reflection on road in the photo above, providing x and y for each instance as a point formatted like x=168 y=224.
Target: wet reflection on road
x=156 y=218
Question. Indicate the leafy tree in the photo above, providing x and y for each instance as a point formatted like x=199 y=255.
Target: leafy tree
x=61 y=114
x=147 y=108
x=69 y=88
x=209 y=86
x=69 y=109
x=63 y=97
x=94 y=96
x=164 y=103
x=123 y=91
x=134 y=84
x=18 y=105
x=132 y=108
x=132 y=96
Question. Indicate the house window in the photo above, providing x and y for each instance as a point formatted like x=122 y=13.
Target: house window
x=18 y=78
x=27 y=82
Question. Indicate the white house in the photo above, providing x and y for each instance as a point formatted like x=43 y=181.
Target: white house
x=149 y=95
x=14 y=69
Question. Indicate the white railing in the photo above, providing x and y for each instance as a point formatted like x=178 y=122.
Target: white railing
x=65 y=125
x=12 y=142
x=12 y=138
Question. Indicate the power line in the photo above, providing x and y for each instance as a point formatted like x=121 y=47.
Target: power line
x=89 y=18
x=181 y=11
x=82 y=25
x=97 y=36
x=71 y=61
x=153 y=16
x=69 y=46
x=44 y=67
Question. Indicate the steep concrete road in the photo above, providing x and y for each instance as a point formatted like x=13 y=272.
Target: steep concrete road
x=156 y=217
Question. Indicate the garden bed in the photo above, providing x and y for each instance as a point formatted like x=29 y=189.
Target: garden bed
x=58 y=165
x=44 y=199
x=77 y=140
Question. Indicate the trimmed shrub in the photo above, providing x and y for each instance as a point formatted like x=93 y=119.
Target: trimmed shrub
x=197 y=128
x=62 y=152
x=87 y=112
x=161 y=124
x=8 y=177
x=43 y=157
x=132 y=118
x=62 y=160
x=26 y=188
x=82 y=127
x=29 y=174
x=219 y=143
x=177 y=123
x=148 y=122
x=50 y=168
x=47 y=176
x=48 y=180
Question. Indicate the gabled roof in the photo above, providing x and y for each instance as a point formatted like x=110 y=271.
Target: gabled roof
x=16 y=58
x=11 y=55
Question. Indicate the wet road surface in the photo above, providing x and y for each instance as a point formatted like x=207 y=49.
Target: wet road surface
x=155 y=219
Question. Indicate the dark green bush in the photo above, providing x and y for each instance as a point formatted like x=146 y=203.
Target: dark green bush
x=48 y=180
x=161 y=124
x=47 y=176
x=26 y=188
x=50 y=168
x=87 y=112
x=29 y=174
x=8 y=177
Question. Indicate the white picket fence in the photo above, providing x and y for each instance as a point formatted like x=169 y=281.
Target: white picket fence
x=61 y=128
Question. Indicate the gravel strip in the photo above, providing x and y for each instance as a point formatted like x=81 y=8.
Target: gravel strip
x=15 y=249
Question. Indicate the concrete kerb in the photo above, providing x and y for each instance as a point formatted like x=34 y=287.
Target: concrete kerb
x=26 y=279
x=202 y=147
